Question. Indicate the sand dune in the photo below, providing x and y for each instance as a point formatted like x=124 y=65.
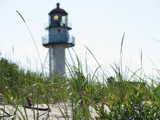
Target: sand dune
x=53 y=114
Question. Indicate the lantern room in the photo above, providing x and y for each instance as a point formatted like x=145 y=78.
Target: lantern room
x=58 y=18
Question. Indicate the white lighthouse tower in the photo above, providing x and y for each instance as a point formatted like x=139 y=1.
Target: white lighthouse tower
x=58 y=40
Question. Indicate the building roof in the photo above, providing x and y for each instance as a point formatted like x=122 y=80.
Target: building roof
x=58 y=10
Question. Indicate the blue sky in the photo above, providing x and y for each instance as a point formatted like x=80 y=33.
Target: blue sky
x=97 y=24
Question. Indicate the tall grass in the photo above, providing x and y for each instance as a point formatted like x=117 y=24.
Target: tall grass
x=128 y=96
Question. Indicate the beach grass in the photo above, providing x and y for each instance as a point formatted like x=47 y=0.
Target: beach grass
x=127 y=96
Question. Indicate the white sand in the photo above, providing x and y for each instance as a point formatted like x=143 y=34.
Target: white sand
x=54 y=114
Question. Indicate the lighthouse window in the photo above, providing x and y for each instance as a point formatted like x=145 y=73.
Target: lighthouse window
x=63 y=22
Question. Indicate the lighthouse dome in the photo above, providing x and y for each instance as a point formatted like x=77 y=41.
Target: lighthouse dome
x=58 y=10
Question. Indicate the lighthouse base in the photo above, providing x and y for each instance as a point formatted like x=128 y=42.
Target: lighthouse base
x=57 y=60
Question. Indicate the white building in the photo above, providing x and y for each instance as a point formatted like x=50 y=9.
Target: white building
x=58 y=39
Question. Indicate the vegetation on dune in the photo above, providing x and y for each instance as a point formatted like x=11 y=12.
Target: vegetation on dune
x=126 y=95
x=125 y=99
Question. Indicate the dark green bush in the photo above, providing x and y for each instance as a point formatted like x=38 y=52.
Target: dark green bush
x=133 y=108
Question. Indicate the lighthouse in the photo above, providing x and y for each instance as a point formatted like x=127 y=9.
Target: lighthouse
x=57 y=40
